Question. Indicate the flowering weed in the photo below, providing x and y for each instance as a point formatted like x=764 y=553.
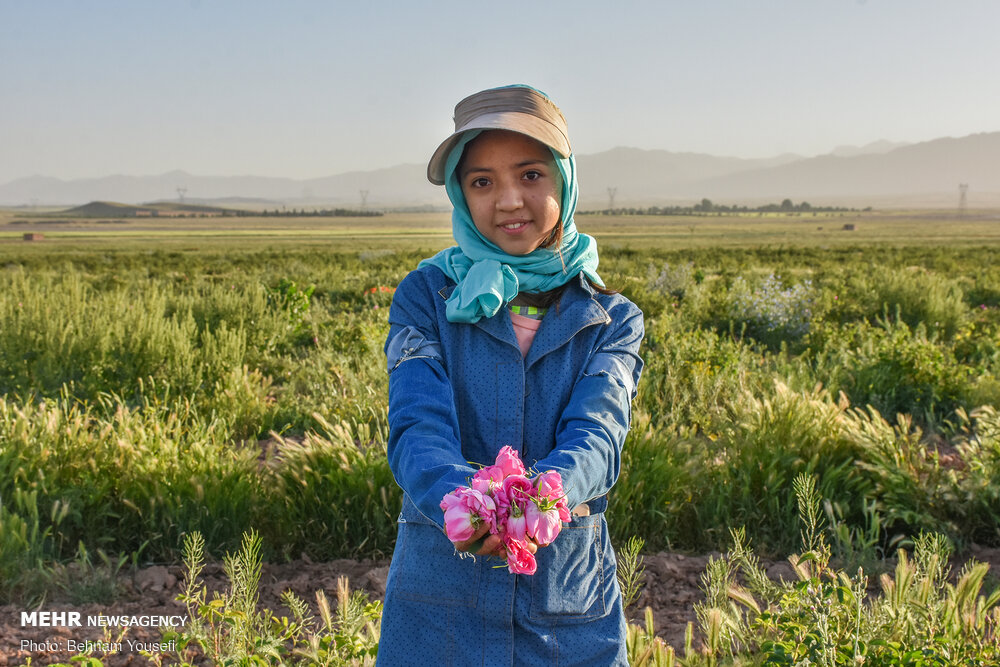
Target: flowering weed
x=771 y=312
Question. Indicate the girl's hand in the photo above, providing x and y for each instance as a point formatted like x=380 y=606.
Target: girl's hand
x=490 y=546
x=482 y=543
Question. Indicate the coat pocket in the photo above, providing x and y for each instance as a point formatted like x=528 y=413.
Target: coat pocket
x=569 y=583
x=430 y=571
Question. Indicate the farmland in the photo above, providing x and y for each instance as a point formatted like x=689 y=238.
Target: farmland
x=219 y=376
x=433 y=230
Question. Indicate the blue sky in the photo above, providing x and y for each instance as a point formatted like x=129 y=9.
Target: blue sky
x=306 y=88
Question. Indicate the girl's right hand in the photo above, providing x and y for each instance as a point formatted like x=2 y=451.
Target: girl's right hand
x=490 y=546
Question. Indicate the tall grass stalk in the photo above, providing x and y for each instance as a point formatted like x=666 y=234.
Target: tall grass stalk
x=828 y=618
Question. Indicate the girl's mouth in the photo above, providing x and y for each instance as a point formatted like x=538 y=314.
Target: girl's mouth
x=514 y=226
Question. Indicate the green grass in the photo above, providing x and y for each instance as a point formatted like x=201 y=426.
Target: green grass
x=161 y=380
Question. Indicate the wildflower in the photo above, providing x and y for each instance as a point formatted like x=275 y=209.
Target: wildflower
x=772 y=307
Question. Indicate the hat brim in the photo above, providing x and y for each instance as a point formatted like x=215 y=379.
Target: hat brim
x=512 y=121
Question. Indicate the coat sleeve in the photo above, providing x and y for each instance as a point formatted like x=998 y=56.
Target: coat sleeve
x=424 y=448
x=591 y=430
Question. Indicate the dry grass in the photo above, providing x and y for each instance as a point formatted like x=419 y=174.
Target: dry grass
x=433 y=230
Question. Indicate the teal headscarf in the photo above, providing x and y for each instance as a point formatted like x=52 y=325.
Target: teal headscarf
x=486 y=276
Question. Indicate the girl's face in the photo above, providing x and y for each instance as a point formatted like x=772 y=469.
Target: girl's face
x=513 y=189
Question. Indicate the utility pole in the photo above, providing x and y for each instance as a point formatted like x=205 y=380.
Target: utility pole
x=963 y=188
x=611 y=198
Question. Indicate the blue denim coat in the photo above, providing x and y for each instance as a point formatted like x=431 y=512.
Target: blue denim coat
x=457 y=394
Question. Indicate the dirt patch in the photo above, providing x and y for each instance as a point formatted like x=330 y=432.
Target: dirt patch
x=672 y=586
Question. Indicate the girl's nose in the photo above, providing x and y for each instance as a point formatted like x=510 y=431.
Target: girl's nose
x=509 y=198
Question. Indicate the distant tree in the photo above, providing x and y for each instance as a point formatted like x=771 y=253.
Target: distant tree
x=705 y=205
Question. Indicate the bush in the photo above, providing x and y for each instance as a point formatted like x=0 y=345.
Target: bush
x=912 y=295
x=895 y=370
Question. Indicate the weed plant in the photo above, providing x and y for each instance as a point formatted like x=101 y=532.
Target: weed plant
x=231 y=628
x=827 y=616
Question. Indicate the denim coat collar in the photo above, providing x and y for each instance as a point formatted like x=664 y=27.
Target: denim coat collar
x=577 y=309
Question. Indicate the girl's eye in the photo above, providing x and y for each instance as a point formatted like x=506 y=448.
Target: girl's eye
x=480 y=182
x=532 y=175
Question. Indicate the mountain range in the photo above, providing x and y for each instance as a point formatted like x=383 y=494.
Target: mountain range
x=879 y=174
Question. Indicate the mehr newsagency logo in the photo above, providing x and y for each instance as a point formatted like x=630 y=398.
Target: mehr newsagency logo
x=74 y=619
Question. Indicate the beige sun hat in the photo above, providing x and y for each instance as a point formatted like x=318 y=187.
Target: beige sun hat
x=516 y=108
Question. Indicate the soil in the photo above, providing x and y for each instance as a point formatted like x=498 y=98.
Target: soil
x=671 y=587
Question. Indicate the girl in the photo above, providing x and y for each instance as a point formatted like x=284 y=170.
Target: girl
x=507 y=339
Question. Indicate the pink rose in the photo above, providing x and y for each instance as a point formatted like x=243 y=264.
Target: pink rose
x=465 y=510
x=490 y=474
x=519 y=559
x=517 y=488
x=515 y=525
x=542 y=527
x=481 y=485
x=485 y=479
x=564 y=514
x=502 y=503
x=523 y=511
x=509 y=462
x=549 y=485
x=551 y=495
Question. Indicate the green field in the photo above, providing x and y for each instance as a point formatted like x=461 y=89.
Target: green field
x=223 y=375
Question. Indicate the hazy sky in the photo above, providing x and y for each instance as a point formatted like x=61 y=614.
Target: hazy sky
x=305 y=89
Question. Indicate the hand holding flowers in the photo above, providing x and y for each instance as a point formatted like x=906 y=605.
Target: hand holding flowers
x=509 y=511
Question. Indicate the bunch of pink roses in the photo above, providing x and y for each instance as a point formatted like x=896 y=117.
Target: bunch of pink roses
x=515 y=505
